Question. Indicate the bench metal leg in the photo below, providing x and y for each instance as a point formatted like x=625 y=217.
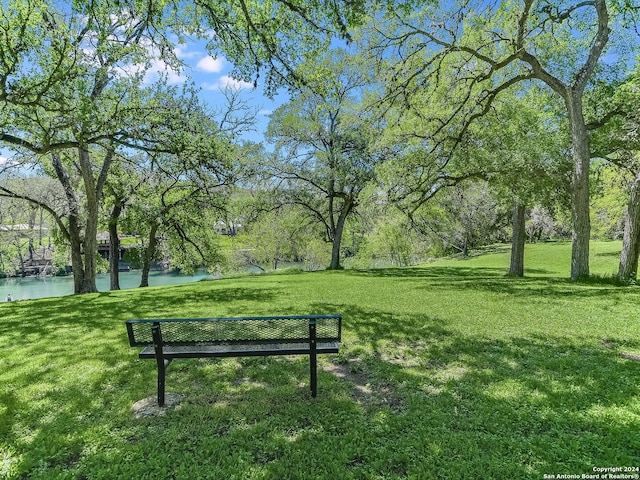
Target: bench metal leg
x=313 y=363
x=160 y=361
x=314 y=377
x=162 y=368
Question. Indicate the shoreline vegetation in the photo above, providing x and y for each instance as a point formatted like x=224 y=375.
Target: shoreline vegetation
x=447 y=370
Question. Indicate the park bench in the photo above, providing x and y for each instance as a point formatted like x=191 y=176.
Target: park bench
x=164 y=339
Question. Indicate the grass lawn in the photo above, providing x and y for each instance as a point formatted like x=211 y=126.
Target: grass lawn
x=446 y=370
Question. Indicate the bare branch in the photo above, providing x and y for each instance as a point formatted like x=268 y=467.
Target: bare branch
x=597 y=47
x=5 y=192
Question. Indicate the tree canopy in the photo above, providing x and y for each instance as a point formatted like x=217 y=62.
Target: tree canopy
x=419 y=104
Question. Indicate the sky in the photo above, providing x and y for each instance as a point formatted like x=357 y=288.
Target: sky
x=212 y=75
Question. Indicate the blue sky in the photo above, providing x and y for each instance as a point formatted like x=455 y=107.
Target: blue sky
x=212 y=75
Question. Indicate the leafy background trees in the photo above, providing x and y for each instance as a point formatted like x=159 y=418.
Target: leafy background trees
x=410 y=130
x=469 y=54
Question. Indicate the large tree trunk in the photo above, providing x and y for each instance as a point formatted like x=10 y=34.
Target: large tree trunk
x=90 y=251
x=83 y=280
x=581 y=223
x=338 y=230
x=572 y=95
x=83 y=247
x=93 y=192
x=628 y=267
x=148 y=255
x=114 y=247
x=335 y=248
x=516 y=268
x=93 y=195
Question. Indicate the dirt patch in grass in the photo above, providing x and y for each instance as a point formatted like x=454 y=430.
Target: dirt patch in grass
x=148 y=407
x=365 y=391
x=404 y=355
x=631 y=356
x=247 y=381
x=609 y=344
x=346 y=371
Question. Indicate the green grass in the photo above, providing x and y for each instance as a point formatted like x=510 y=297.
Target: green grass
x=446 y=370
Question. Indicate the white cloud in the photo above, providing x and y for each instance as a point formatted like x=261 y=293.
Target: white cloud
x=226 y=81
x=157 y=69
x=211 y=65
x=131 y=69
x=265 y=113
x=182 y=52
x=7 y=162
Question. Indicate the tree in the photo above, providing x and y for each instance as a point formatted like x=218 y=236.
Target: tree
x=323 y=147
x=25 y=230
x=518 y=147
x=610 y=187
x=393 y=238
x=80 y=110
x=275 y=236
x=478 y=50
x=175 y=201
x=92 y=112
x=123 y=182
x=263 y=40
x=618 y=142
x=63 y=72
x=462 y=217
x=541 y=225
x=628 y=266
x=526 y=139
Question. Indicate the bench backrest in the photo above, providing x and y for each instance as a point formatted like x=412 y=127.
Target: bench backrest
x=211 y=331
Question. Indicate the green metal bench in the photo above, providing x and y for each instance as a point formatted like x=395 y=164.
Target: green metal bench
x=164 y=339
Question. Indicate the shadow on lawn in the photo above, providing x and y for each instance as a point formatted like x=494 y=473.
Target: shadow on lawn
x=429 y=272
x=67 y=371
x=494 y=280
x=471 y=407
x=92 y=311
x=515 y=408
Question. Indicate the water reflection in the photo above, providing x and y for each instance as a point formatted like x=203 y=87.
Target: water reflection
x=31 y=288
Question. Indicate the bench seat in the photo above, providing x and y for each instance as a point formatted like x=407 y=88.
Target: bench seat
x=236 y=350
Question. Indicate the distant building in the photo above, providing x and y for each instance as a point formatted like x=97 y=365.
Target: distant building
x=224 y=228
x=104 y=250
x=39 y=262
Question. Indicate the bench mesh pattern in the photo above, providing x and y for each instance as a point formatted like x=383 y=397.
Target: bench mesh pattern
x=237 y=330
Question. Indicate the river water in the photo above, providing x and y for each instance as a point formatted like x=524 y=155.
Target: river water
x=30 y=288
